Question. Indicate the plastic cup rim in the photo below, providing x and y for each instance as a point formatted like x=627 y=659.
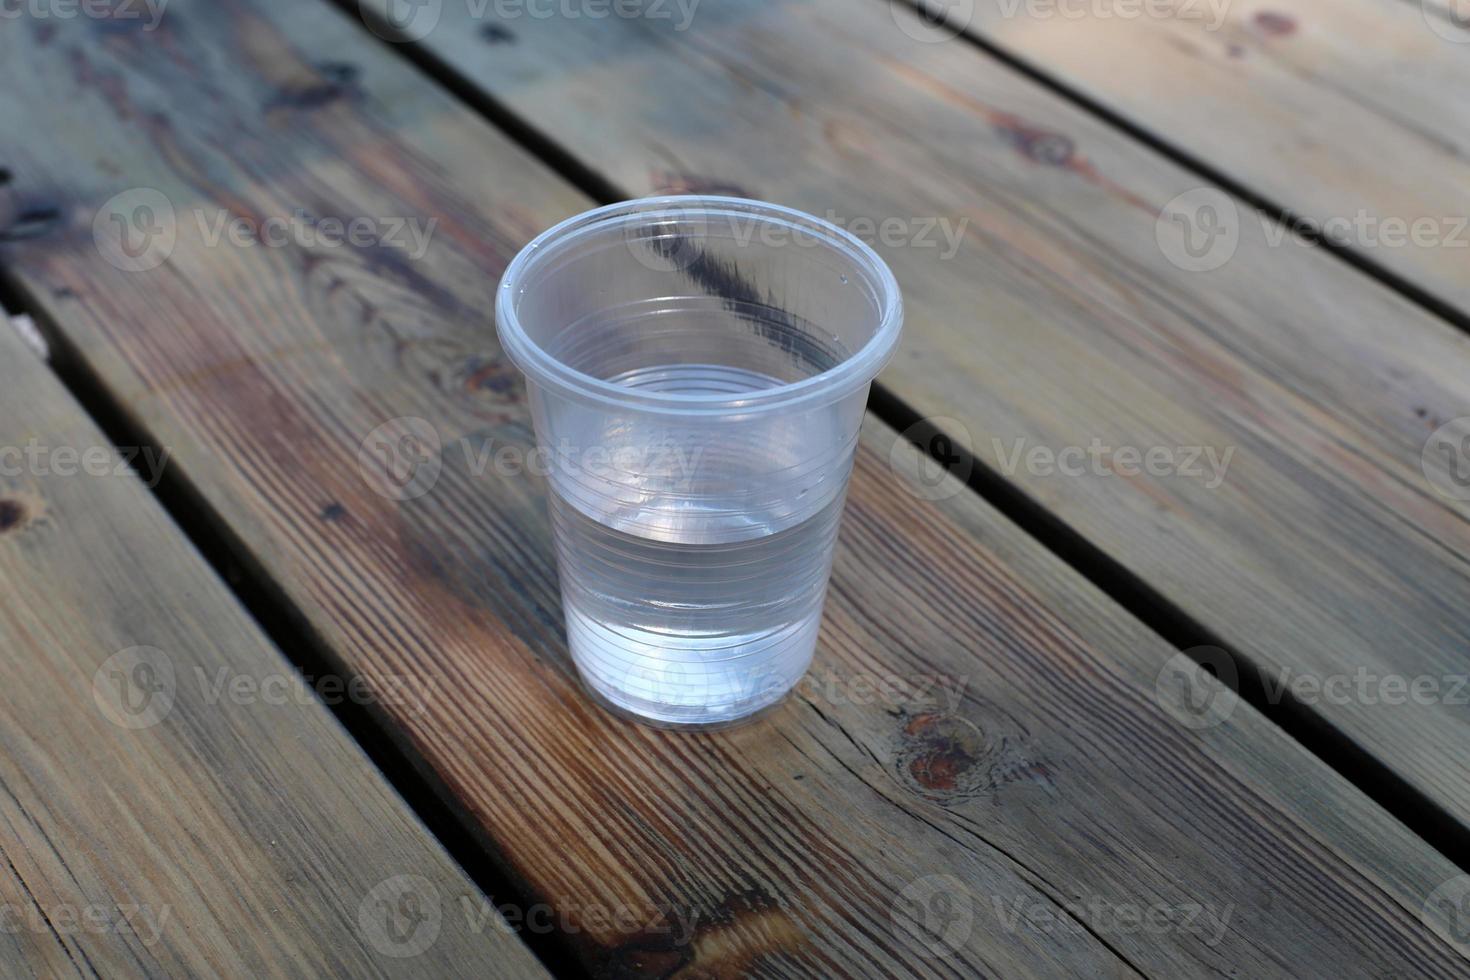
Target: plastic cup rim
x=836 y=382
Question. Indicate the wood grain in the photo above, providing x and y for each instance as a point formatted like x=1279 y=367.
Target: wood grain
x=1313 y=543
x=1347 y=113
x=154 y=822
x=984 y=756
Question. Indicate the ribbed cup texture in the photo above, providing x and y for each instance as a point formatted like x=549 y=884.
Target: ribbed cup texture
x=698 y=386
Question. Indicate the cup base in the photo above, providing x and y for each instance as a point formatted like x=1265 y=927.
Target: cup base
x=673 y=725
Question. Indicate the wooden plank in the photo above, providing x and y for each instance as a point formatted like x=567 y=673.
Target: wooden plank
x=1347 y=113
x=1061 y=325
x=984 y=771
x=173 y=801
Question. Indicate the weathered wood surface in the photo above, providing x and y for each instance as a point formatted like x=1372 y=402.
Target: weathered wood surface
x=1351 y=113
x=985 y=749
x=1317 y=546
x=173 y=802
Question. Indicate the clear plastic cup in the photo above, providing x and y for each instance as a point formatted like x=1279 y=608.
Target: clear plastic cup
x=697 y=370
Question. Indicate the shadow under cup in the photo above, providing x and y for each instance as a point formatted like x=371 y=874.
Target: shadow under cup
x=697 y=370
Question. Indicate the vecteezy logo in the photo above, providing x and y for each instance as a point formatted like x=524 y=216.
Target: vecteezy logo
x=1447 y=912
x=400 y=459
x=136 y=231
x=403 y=21
x=937 y=912
x=1199 y=230
x=689 y=689
x=1449 y=19
x=935 y=457
x=401 y=916
x=1446 y=459
x=1198 y=688
x=134 y=688
x=934 y=20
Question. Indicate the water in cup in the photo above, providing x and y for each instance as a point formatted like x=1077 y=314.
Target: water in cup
x=705 y=610
x=676 y=631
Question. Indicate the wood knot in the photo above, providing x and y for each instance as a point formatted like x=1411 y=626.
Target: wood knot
x=1038 y=145
x=947 y=759
x=483 y=381
x=1275 y=24
x=657 y=957
x=31 y=222
x=20 y=512
x=12 y=514
x=340 y=72
x=480 y=373
x=335 y=80
x=496 y=34
x=747 y=929
x=333 y=513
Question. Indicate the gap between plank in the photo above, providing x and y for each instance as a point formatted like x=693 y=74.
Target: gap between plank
x=1354 y=763
x=1407 y=804
x=293 y=635
x=1308 y=229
